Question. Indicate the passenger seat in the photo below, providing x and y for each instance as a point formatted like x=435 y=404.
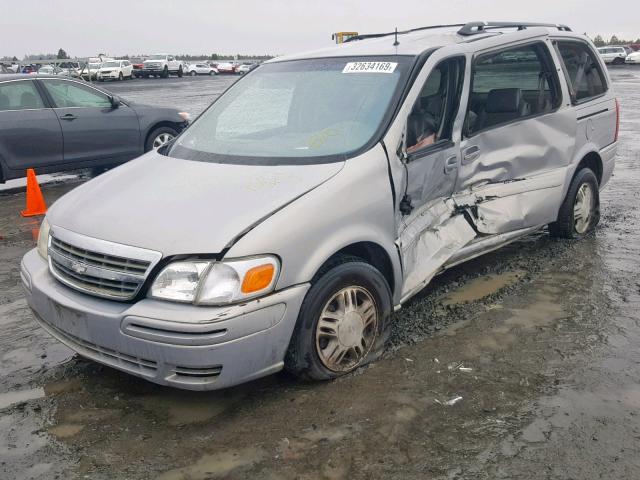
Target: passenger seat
x=502 y=105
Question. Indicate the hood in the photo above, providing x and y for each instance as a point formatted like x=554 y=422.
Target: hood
x=177 y=206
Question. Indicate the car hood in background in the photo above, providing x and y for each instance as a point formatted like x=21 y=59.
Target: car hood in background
x=177 y=206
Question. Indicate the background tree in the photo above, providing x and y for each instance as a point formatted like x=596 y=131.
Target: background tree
x=614 y=40
x=62 y=54
x=599 y=41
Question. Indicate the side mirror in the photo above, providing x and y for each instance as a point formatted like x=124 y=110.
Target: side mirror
x=115 y=101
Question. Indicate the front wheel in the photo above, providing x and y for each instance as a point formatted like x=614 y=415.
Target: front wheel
x=580 y=212
x=165 y=72
x=342 y=323
x=180 y=72
x=193 y=73
x=159 y=137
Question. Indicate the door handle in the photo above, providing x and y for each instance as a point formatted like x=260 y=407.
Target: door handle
x=470 y=154
x=450 y=165
x=68 y=116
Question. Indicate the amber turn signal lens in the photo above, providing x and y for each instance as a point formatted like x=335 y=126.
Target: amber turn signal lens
x=258 y=278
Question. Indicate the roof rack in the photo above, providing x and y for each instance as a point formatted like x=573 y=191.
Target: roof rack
x=474 y=28
x=471 y=28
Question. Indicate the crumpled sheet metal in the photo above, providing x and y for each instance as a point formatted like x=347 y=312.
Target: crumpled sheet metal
x=429 y=241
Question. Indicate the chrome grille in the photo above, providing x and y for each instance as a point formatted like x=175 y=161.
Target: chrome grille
x=84 y=267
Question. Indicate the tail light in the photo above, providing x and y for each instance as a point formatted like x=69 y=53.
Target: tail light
x=615 y=139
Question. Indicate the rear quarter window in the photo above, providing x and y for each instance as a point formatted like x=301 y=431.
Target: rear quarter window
x=583 y=72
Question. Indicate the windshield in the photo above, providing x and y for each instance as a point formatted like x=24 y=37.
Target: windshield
x=307 y=111
x=110 y=64
x=157 y=57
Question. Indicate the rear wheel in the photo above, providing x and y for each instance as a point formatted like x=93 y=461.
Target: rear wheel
x=618 y=61
x=159 y=137
x=193 y=73
x=180 y=72
x=165 y=72
x=342 y=323
x=580 y=212
x=120 y=76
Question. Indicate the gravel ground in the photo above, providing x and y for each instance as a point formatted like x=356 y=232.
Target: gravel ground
x=539 y=342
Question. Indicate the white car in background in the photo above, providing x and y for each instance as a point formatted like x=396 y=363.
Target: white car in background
x=115 y=70
x=633 y=58
x=201 y=69
x=614 y=54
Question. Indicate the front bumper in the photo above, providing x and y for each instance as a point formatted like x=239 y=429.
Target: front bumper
x=184 y=346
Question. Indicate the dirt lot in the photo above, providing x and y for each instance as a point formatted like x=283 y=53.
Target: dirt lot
x=539 y=343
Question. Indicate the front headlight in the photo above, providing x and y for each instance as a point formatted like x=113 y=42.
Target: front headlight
x=216 y=283
x=43 y=239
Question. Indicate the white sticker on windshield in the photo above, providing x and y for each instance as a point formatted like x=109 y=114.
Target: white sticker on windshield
x=369 y=67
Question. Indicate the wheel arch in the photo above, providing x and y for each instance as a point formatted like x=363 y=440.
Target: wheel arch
x=371 y=253
x=591 y=160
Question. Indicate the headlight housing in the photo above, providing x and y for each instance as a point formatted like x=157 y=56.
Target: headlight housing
x=43 y=239
x=204 y=282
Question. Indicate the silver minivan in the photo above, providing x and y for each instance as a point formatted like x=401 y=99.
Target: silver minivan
x=318 y=194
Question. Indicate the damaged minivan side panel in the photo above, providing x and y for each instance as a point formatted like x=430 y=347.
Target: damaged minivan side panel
x=430 y=228
x=519 y=140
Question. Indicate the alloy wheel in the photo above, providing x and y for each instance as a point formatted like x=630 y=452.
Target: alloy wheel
x=346 y=329
x=583 y=208
x=162 y=139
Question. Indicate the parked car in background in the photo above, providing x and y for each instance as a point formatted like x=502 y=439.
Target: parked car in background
x=162 y=65
x=48 y=70
x=69 y=69
x=201 y=69
x=89 y=71
x=28 y=69
x=282 y=231
x=246 y=68
x=115 y=70
x=633 y=58
x=616 y=55
x=4 y=69
x=77 y=125
x=226 y=67
x=138 y=65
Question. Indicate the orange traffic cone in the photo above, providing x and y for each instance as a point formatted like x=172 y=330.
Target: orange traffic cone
x=35 y=200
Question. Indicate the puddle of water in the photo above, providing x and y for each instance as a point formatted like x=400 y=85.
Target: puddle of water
x=215 y=465
x=9 y=398
x=481 y=287
x=66 y=430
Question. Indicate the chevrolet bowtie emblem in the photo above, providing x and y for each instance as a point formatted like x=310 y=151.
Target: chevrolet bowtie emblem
x=78 y=267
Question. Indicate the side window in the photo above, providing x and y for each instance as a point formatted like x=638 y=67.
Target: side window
x=19 y=96
x=67 y=94
x=170 y=58
x=584 y=74
x=511 y=84
x=432 y=116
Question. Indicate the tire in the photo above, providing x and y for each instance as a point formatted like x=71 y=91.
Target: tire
x=120 y=77
x=153 y=136
x=312 y=343
x=180 y=72
x=193 y=73
x=210 y=73
x=165 y=73
x=568 y=225
x=618 y=61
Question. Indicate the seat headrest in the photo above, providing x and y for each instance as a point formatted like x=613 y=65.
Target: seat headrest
x=28 y=100
x=504 y=100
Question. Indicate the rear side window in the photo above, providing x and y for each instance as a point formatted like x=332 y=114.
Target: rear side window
x=72 y=94
x=511 y=84
x=584 y=74
x=19 y=96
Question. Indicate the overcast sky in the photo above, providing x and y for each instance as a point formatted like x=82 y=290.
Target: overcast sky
x=117 y=27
